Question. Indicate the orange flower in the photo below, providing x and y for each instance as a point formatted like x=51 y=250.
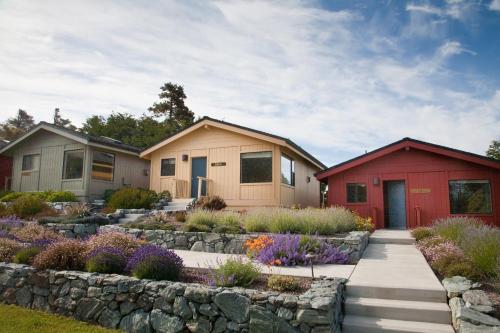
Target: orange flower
x=255 y=245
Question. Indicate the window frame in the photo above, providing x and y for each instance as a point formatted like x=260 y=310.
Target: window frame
x=161 y=166
x=362 y=184
x=488 y=181
x=64 y=164
x=292 y=169
x=92 y=167
x=34 y=168
x=241 y=168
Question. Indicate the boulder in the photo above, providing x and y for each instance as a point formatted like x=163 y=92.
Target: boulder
x=88 y=308
x=236 y=307
x=181 y=308
x=202 y=325
x=460 y=313
x=23 y=297
x=164 y=323
x=220 y=325
x=197 y=294
x=466 y=327
x=109 y=318
x=136 y=322
x=198 y=246
x=476 y=297
x=456 y=286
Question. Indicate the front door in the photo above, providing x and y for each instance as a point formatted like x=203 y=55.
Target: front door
x=198 y=169
x=395 y=204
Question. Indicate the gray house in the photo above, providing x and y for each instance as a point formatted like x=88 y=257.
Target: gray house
x=51 y=157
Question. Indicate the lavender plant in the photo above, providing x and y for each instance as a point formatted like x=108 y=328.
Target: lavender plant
x=10 y=222
x=234 y=272
x=155 y=262
x=106 y=260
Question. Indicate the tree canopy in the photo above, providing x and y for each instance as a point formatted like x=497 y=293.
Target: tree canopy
x=16 y=126
x=60 y=121
x=494 y=150
x=172 y=106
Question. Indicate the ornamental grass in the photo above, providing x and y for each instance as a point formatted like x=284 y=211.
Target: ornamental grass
x=64 y=255
x=33 y=232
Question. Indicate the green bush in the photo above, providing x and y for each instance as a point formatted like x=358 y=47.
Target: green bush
x=235 y=272
x=27 y=205
x=211 y=203
x=4 y=193
x=106 y=260
x=421 y=233
x=180 y=216
x=283 y=283
x=191 y=227
x=305 y=221
x=454 y=228
x=132 y=198
x=61 y=196
x=453 y=265
x=26 y=255
x=107 y=194
x=165 y=195
x=215 y=221
x=9 y=197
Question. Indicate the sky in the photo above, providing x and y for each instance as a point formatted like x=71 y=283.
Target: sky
x=337 y=77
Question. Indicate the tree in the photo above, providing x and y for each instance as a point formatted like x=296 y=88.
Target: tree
x=494 y=150
x=60 y=121
x=172 y=106
x=16 y=126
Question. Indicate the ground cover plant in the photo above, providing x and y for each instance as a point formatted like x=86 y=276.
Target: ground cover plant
x=213 y=221
x=132 y=198
x=283 y=283
x=156 y=263
x=211 y=203
x=233 y=272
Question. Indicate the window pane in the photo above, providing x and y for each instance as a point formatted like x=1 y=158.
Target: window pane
x=257 y=167
x=470 y=197
x=31 y=162
x=287 y=170
x=102 y=166
x=356 y=193
x=168 y=167
x=73 y=164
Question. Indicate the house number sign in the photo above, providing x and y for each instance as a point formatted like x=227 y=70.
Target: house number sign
x=218 y=164
x=420 y=190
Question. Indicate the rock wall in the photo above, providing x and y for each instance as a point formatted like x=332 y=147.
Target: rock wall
x=74 y=230
x=353 y=242
x=144 y=306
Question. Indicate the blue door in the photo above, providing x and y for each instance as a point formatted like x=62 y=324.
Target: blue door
x=395 y=204
x=198 y=169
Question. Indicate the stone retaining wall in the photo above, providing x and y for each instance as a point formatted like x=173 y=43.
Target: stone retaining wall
x=74 y=230
x=144 y=306
x=353 y=242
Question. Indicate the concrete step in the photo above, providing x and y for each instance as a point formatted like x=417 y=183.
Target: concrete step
x=400 y=310
x=404 y=294
x=391 y=240
x=360 y=324
x=184 y=201
x=130 y=218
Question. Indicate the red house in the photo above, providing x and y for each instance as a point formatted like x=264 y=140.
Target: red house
x=410 y=183
x=5 y=169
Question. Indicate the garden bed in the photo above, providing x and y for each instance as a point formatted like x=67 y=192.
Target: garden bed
x=133 y=305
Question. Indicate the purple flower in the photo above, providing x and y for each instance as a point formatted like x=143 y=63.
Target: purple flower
x=155 y=262
x=42 y=243
x=10 y=222
x=107 y=250
x=284 y=250
x=329 y=254
x=6 y=234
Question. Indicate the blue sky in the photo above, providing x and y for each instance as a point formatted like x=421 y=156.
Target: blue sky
x=337 y=77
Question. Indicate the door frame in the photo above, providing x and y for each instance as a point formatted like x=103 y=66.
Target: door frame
x=386 y=205
x=194 y=195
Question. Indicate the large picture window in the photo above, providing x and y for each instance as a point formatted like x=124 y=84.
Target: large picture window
x=103 y=165
x=73 y=164
x=287 y=170
x=356 y=193
x=257 y=167
x=168 y=167
x=31 y=162
x=470 y=197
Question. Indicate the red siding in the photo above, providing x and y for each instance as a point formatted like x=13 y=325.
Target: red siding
x=422 y=171
x=5 y=170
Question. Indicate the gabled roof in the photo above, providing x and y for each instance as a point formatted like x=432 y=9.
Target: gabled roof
x=92 y=140
x=240 y=129
x=408 y=143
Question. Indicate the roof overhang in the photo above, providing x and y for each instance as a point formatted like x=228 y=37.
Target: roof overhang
x=408 y=143
x=207 y=122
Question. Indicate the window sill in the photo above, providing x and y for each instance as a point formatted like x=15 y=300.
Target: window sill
x=102 y=181
x=473 y=214
x=288 y=186
x=256 y=184
x=72 y=180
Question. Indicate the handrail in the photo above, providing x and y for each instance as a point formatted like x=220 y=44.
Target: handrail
x=200 y=183
x=418 y=215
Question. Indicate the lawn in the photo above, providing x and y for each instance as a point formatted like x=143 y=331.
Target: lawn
x=14 y=319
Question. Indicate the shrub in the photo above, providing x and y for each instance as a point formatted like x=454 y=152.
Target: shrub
x=107 y=194
x=4 y=210
x=8 y=248
x=434 y=248
x=228 y=223
x=132 y=198
x=26 y=255
x=27 y=205
x=33 y=232
x=61 y=196
x=10 y=222
x=156 y=263
x=364 y=224
x=149 y=225
x=191 y=227
x=4 y=193
x=205 y=221
x=165 y=195
x=180 y=216
x=283 y=283
x=421 y=233
x=78 y=210
x=106 y=260
x=202 y=217
x=94 y=219
x=234 y=272
x=211 y=203
x=450 y=265
x=65 y=255
x=123 y=242
x=9 y=197
x=482 y=247
x=453 y=228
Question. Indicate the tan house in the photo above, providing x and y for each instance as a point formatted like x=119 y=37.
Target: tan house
x=246 y=167
x=51 y=157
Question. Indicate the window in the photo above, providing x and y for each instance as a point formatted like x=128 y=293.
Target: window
x=103 y=165
x=470 y=197
x=73 y=164
x=257 y=167
x=287 y=170
x=168 y=167
x=356 y=193
x=31 y=162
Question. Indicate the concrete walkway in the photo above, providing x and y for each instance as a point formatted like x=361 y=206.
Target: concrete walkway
x=195 y=259
x=393 y=289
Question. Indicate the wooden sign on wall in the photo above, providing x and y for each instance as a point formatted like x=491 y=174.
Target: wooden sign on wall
x=420 y=190
x=218 y=164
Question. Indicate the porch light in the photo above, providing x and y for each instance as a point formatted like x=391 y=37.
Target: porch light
x=376 y=181
x=185 y=158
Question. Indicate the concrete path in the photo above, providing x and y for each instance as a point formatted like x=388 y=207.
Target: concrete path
x=393 y=289
x=205 y=260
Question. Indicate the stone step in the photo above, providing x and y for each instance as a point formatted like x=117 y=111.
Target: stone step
x=404 y=294
x=400 y=310
x=360 y=324
x=185 y=201
x=130 y=218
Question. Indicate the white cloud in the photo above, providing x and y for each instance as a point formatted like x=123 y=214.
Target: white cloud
x=288 y=68
x=495 y=5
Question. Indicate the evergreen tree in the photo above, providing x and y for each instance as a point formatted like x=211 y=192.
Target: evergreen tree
x=16 y=126
x=60 y=121
x=494 y=150
x=172 y=107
